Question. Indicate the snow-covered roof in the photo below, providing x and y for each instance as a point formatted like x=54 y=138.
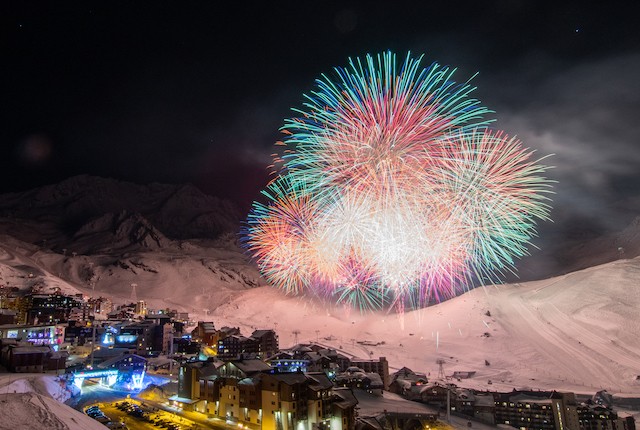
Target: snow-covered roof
x=346 y=396
x=484 y=400
x=290 y=378
x=115 y=360
x=259 y=333
x=185 y=400
x=319 y=381
x=17 y=350
x=251 y=365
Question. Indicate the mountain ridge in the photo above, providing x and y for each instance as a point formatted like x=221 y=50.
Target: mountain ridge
x=178 y=211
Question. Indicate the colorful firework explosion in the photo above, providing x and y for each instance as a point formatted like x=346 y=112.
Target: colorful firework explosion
x=392 y=191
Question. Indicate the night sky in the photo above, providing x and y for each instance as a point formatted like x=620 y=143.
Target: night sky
x=195 y=92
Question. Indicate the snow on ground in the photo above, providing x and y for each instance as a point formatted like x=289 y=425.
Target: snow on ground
x=44 y=384
x=578 y=332
x=207 y=271
x=31 y=401
x=19 y=268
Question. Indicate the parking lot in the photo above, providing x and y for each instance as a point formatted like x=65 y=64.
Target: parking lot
x=135 y=415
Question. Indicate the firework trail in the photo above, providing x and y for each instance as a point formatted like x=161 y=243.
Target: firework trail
x=391 y=190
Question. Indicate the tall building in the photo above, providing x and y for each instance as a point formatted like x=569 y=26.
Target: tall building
x=261 y=344
x=265 y=343
x=51 y=308
x=233 y=347
x=283 y=401
x=139 y=337
x=538 y=410
x=247 y=393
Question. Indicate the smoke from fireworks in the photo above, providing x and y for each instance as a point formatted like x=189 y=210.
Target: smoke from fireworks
x=392 y=190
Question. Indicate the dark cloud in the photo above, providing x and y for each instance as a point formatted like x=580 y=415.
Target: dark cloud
x=586 y=115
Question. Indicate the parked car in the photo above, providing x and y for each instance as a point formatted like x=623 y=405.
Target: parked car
x=123 y=405
x=91 y=409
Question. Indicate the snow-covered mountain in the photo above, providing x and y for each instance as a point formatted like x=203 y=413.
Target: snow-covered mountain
x=200 y=272
x=91 y=234
x=579 y=331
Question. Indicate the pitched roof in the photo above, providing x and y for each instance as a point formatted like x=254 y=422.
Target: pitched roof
x=259 y=333
x=290 y=378
x=374 y=378
x=319 y=381
x=29 y=350
x=301 y=348
x=110 y=362
x=251 y=365
x=346 y=396
x=484 y=400
x=282 y=355
x=208 y=370
x=107 y=353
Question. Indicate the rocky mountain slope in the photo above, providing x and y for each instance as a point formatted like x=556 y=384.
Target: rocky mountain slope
x=93 y=234
x=57 y=212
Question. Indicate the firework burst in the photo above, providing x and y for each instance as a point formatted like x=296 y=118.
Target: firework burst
x=392 y=191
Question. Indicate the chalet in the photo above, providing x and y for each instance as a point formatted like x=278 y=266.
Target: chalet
x=598 y=417
x=206 y=333
x=379 y=366
x=408 y=383
x=435 y=394
x=248 y=393
x=232 y=347
x=355 y=378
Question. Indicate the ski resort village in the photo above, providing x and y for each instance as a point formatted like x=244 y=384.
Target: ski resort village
x=131 y=366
